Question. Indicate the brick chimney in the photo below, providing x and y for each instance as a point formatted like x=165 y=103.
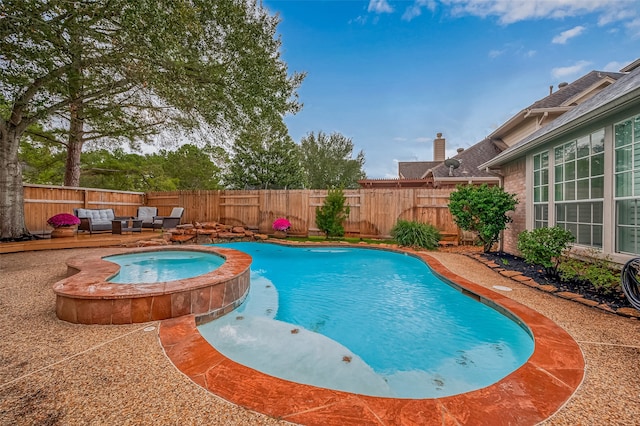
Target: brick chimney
x=439 y=148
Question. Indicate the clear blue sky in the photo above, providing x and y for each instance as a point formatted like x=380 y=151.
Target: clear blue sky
x=391 y=74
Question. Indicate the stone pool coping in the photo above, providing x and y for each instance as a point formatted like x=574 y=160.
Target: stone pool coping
x=530 y=394
x=86 y=297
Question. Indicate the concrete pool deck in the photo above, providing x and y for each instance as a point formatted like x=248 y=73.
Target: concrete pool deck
x=54 y=372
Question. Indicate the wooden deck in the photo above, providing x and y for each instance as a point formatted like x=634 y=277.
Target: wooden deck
x=78 y=241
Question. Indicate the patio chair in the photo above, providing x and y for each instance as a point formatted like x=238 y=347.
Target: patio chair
x=146 y=214
x=168 y=222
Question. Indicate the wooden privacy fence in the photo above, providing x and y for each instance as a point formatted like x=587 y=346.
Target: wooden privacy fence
x=373 y=212
x=43 y=201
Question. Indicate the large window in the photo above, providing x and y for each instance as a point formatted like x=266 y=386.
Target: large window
x=541 y=190
x=579 y=187
x=627 y=185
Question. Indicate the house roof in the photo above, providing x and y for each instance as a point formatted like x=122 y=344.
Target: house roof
x=415 y=169
x=625 y=91
x=470 y=159
x=561 y=100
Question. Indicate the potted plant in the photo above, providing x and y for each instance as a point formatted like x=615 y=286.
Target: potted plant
x=280 y=227
x=63 y=224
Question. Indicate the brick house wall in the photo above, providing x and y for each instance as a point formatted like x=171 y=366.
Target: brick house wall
x=515 y=174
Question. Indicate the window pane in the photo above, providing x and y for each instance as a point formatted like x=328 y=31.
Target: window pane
x=573 y=228
x=623 y=159
x=559 y=154
x=596 y=211
x=584 y=212
x=536 y=178
x=623 y=133
x=544 y=160
x=544 y=176
x=536 y=194
x=636 y=156
x=559 y=175
x=625 y=214
x=583 y=146
x=628 y=240
x=560 y=213
x=596 y=233
x=582 y=189
x=536 y=162
x=544 y=193
x=559 y=194
x=623 y=184
x=583 y=167
x=570 y=191
x=636 y=129
x=570 y=151
x=597 y=187
x=597 y=142
x=636 y=183
x=572 y=212
x=570 y=171
x=584 y=234
x=597 y=165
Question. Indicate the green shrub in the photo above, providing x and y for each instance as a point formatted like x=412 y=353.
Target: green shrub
x=544 y=246
x=599 y=272
x=332 y=214
x=416 y=234
x=482 y=209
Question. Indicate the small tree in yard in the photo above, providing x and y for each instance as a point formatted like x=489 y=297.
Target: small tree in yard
x=332 y=214
x=482 y=209
x=544 y=246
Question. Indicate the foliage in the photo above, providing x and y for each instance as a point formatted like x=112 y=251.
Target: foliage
x=596 y=270
x=327 y=161
x=63 y=219
x=544 y=246
x=265 y=157
x=281 y=224
x=332 y=214
x=193 y=167
x=482 y=209
x=416 y=234
x=114 y=71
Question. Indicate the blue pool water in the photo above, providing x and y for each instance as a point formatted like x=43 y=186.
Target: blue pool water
x=160 y=266
x=365 y=321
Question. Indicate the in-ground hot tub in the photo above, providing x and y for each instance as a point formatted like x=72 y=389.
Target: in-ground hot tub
x=87 y=297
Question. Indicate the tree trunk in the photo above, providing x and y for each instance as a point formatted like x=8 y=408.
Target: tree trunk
x=12 y=226
x=74 y=147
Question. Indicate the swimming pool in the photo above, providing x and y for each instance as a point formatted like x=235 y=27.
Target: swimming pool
x=365 y=321
x=162 y=266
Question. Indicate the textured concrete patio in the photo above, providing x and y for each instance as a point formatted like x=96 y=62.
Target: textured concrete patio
x=53 y=372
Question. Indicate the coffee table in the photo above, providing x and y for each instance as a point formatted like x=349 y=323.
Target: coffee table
x=126 y=225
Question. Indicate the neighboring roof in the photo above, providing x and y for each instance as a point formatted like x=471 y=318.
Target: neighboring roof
x=415 y=169
x=470 y=159
x=561 y=100
x=624 y=91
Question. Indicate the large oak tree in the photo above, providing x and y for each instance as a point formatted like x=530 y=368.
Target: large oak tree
x=96 y=69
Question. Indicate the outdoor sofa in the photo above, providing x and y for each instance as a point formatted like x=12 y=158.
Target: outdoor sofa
x=97 y=220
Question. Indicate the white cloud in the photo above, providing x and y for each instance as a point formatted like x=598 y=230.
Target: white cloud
x=379 y=6
x=509 y=11
x=400 y=139
x=564 y=36
x=576 y=68
x=422 y=139
x=495 y=53
x=615 y=66
x=633 y=28
x=415 y=9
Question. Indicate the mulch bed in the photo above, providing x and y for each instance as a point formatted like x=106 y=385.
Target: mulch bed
x=615 y=299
